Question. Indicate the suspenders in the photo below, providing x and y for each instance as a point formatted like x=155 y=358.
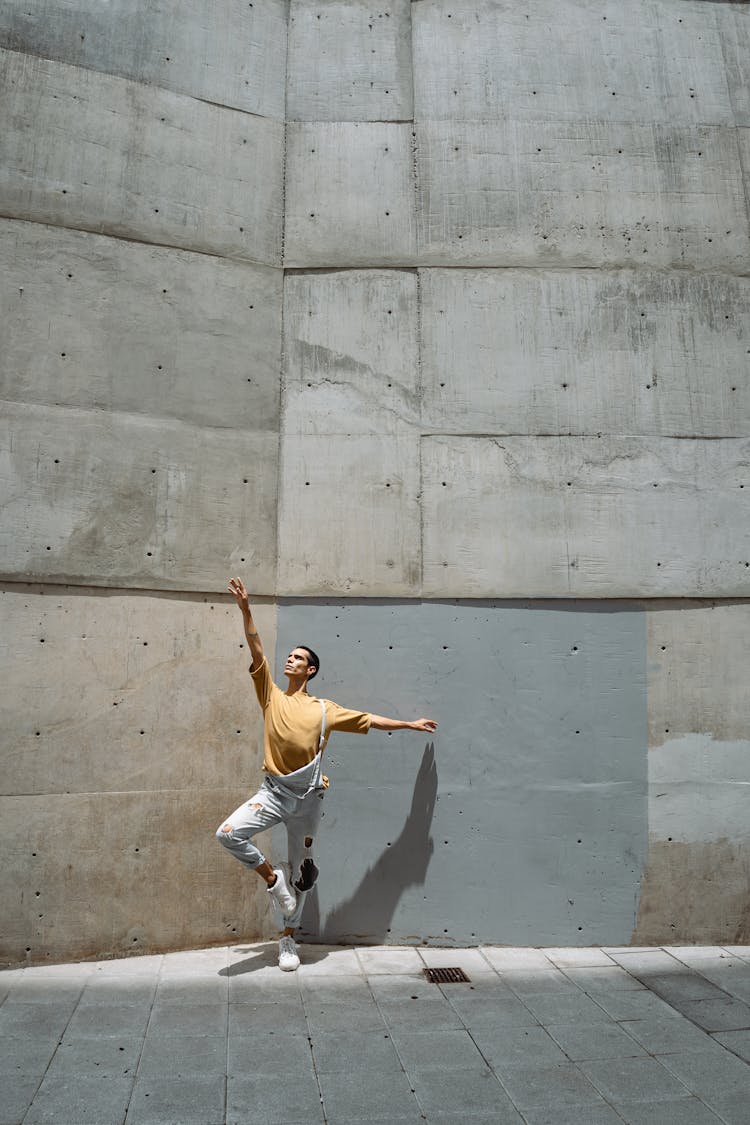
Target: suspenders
x=322 y=725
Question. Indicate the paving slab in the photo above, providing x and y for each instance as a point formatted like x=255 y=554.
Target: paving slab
x=349 y=1050
x=274 y=1052
x=562 y=1084
x=725 y=1014
x=503 y=958
x=634 y=1005
x=474 y=1090
x=633 y=1080
x=195 y=1100
x=579 y=958
x=572 y=1115
x=180 y=1055
x=574 y=1008
x=601 y=979
x=386 y=959
x=362 y=1093
x=597 y=1041
x=437 y=1050
x=503 y=1045
x=665 y=1036
x=542 y=982
x=682 y=1111
x=64 y=1099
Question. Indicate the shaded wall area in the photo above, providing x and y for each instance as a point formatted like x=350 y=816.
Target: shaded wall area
x=524 y=819
x=401 y=314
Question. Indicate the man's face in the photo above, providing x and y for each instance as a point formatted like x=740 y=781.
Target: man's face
x=297 y=663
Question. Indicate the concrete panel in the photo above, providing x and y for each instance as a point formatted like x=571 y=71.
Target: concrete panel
x=107 y=692
x=585 y=193
x=232 y=53
x=695 y=893
x=96 y=322
x=565 y=517
x=349 y=516
x=734 y=27
x=351 y=356
x=698 y=671
x=349 y=62
x=121 y=158
x=544 y=352
x=92 y=875
x=528 y=824
x=640 y=61
x=114 y=499
x=697 y=878
x=349 y=195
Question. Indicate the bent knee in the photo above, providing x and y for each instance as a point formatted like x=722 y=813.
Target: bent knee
x=224 y=832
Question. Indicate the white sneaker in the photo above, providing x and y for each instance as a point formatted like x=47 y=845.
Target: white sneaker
x=280 y=890
x=288 y=956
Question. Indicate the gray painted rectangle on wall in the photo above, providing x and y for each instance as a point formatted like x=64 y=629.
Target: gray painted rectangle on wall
x=524 y=819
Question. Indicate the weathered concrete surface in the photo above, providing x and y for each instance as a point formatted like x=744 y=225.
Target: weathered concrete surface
x=507 y=193
x=233 y=53
x=96 y=875
x=697 y=656
x=125 y=500
x=564 y=517
x=743 y=141
x=349 y=61
x=693 y=890
x=120 y=158
x=349 y=522
x=105 y=324
x=585 y=352
x=529 y=822
x=697 y=879
x=351 y=353
x=155 y=693
x=571 y=60
x=129 y=734
x=349 y=195
x=587 y=193
x=734 y=27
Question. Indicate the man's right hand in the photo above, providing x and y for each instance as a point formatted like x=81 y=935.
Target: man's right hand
x=237 y=587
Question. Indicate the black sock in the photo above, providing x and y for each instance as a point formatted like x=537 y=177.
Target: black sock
x=308 y=873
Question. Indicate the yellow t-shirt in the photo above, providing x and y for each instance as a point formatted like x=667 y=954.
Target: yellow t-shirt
x=292 y=724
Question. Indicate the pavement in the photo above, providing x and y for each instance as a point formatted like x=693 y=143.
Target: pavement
x=222 y=1037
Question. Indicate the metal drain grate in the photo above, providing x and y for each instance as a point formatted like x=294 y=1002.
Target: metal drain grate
x=446 y=976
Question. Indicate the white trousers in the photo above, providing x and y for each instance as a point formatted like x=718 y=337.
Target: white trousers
x=274 y=803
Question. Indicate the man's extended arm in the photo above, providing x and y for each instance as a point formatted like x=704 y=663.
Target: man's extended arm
x=253 y=640
x=379 y=722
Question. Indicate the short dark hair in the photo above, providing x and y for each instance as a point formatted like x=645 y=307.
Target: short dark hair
x=312 y=658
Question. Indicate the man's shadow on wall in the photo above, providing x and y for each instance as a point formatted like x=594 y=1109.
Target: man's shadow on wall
x=367 y=914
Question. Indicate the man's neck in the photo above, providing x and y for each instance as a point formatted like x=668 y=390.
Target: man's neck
x=296 y=684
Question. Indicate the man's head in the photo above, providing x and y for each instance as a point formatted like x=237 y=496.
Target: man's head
x=302 y=661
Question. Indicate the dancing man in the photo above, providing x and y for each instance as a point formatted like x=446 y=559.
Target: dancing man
x=296 y=729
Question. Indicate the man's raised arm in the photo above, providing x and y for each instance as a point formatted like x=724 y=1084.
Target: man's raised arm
x=256 y=648
x=379 y=722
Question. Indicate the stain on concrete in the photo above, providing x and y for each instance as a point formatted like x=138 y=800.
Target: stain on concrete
x=695 y=893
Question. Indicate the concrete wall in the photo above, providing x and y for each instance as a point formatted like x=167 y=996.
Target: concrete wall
x=440 y=337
